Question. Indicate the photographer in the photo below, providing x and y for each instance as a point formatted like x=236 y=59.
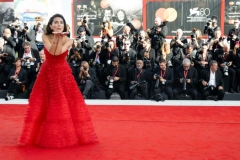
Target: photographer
x=211 y=82
x=39 y=31
x=196 y=40
x=210 y=27
x=6 y=62
x=177 y=45
x=86 y=43
x=30 y=59
x=27 y=34
x=190 y=54
x=138 y=81
x=234 y=34
x=217 y=42
x=147 y=54
x=163 y=79
x=165 y=54
x=96 y=61
x=115 y=78
x=236 y=64
x=8 y=40
x=224 y=57
x=76 y=60
x=87 y=78
x=16 y=33
x=17 y=79
x=138 y=40
x=186 y=78
x=158 y=34
x=109 y=50
x=89 y=26
x=126 y=35
x=127 y=56
x=106 y=32
x=202 y=58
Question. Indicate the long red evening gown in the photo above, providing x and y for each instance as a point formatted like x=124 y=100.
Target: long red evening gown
x=56 y=115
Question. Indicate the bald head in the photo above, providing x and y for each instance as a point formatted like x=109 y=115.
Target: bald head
x=158 y=21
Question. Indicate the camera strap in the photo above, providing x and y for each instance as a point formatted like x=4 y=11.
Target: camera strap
x=162 y=73
x=185 y=74
x=114 y=74
x=139 y=74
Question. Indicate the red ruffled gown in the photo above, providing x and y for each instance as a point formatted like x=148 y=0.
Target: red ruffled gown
x=56 y=115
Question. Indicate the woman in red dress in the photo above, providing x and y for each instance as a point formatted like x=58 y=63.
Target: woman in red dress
x=56 y=115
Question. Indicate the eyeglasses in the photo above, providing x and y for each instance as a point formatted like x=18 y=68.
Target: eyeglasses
x=126 y=43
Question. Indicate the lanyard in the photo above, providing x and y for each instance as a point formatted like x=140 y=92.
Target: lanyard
x=162 y=73
x=139 y=74
x=185 y=74
x=114 y=74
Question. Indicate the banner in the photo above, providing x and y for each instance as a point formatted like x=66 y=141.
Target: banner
x=6 y=12
x=186 y=14
x=117 y=12
x=232 y=12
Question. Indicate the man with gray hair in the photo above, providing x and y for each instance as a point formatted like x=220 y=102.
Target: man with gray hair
x=186 y=78
x=177 y=44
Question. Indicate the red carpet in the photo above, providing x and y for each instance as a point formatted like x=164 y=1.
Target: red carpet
x=135 y=133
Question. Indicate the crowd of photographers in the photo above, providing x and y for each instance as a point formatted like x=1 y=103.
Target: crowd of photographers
x=135 y=65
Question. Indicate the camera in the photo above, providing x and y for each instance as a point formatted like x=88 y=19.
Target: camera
x=162 y=24
x=222 y=38
x=85 y=68
x=84 y=19
x=184 y=80
x=209 y=22
x=142 y=84
x=15 y=80
x=111 y=82
x=28 y=63
x=169 y=63
x=158 y=97
x=126 y=56
x=11 y=96
x=140 y=38
x=158 y=77
x=225 y=69
x=26 y=27
x=103 y=25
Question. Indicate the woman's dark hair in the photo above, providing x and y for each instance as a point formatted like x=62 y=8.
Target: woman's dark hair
x=49 y=30
x=17 y=59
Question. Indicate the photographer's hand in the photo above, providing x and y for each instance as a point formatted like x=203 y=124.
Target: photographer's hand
x=108 y=77
x=181 y=80
x=230 y=63
x=204 y=83
x=116 y=78
x=154 y=76
x=132 y=82
x=220 y=88
x=188 y=80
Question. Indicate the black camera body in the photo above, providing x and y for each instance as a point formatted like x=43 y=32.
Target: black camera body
x=15 y=80
x=184 y=80
x=142 y=84
x=163 y=24
x=158 y=77
x=84 y=20
x=85 y=68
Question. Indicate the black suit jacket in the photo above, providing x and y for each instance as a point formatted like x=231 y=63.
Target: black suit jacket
x=120 y=73
x=192 y=75
x=10 y=55
x=169 y=76
x=218 y=56
x=205 y=75
x=134 y=72
x=22 y=75
x=93 y=76
x=35 y=54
